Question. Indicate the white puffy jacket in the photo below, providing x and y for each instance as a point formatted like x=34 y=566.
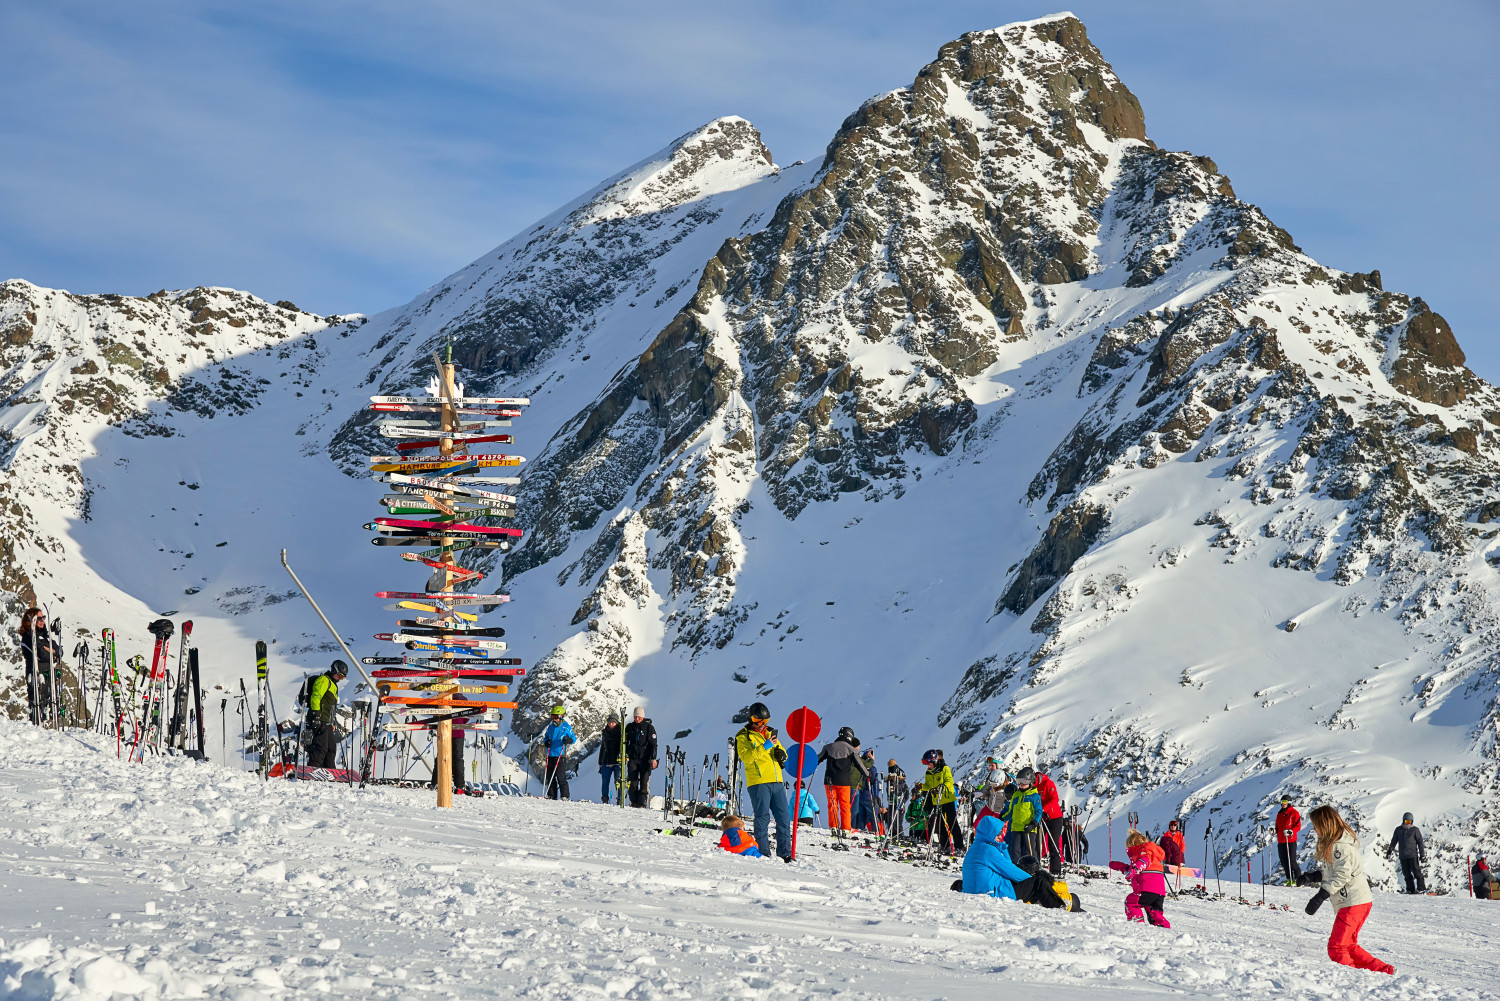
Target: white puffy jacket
x=1344 y=874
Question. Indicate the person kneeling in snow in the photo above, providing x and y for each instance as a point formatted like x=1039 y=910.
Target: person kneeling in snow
x=987 y=865
x=1148 y=881
x=736 y=840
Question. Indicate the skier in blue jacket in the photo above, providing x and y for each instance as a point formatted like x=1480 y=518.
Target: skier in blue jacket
x=987 y=865
x=558 y=735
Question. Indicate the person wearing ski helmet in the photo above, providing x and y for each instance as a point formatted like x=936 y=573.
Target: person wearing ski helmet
x=1288 y=828
x=841 y=765
x=1050 y=823
x=322 y=699
x=1023 y=812
x=1173 y=846
x=896 y=794
x=557 y=737
x=1412 y=853
x=1342 y=880
x=640 y=757
x=994 y=791
x=609 y=758
x=758 y=750
x=942 y=798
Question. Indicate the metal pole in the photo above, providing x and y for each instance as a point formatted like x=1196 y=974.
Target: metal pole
x=340 y=640
x=797 y=810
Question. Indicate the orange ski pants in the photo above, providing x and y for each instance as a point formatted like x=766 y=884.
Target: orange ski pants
x=839 y=813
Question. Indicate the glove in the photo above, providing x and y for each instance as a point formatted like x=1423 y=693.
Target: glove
x=778 y=755
x=1316 y=901
x=567 y=740
x=1309 y=877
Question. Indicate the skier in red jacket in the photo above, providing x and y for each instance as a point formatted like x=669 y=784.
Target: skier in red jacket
x=1288 y=827
x=1173 y=845
x=1052 y=820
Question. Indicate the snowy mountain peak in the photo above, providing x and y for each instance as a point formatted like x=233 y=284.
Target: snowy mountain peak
x=1001 y=429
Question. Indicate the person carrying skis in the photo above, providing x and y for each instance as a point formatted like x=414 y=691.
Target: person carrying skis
x=1412 y=852
x=1148 y=880
x=1483 y=880
x=941 y=795
x=1173 y=847
x=841 y=766
x=557 y=737
x=1288 y=828
x=988 y=867
x=1051 y=820
x=1342 y=880
x=757 y=745
x=640 y=757
x=1023 y=812
x=734 y=839
x=609 y=758
x=322 y=699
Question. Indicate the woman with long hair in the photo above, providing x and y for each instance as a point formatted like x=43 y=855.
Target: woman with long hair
x=1342 y=880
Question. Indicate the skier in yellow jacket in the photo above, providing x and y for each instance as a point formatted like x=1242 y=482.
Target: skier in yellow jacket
x=937 y=787
x=761 y=755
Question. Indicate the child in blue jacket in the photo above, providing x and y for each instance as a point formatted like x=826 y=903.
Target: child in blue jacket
x=987 y=865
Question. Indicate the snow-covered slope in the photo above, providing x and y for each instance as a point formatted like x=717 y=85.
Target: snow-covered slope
x=1001 y=429
x=174 y=879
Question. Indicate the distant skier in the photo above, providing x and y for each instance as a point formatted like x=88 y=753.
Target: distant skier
x=868 y=808
x=322 y=700
x=1288 y=828
x=1342 y=880
x=557 y=737
x=1173 y=847
x=609 y=758
x=942 y=814
x=1483 y=880
x=640 y=757
x=841 y=767
x=760 y=754
x=41 y=654
x=1406 y=840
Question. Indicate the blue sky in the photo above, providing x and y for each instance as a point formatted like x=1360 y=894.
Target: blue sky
x=345 y=155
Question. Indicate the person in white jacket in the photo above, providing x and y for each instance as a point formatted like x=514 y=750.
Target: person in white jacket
x=1342 y=880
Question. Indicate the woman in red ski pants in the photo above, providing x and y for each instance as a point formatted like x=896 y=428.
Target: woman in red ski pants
x=1342 y=879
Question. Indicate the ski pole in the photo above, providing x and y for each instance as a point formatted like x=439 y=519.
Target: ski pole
x=1239 y=893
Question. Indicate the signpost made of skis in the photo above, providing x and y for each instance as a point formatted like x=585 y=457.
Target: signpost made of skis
x=448 y=678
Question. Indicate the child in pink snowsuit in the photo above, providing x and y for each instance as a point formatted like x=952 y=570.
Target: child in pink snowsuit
x=1148 y=880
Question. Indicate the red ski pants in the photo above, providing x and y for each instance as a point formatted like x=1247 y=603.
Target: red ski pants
x=838 y=807
x=1343 y=942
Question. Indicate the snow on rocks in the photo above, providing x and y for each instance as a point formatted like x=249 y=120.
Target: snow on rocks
x=517 y=897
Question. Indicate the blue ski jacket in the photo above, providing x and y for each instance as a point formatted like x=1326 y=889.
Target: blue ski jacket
x=987 y=865
x=558 y=737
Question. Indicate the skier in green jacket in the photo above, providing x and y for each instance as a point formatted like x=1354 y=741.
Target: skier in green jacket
x=322 y=698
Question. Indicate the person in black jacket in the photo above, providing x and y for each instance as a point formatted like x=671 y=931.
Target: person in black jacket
x=640 y=757
x=609 y=758
x=1408 y=837
x=841 y=769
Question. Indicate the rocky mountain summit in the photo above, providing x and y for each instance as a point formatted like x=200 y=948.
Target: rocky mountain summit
x=999 y=429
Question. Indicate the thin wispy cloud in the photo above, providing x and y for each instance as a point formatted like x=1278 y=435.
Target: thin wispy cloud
x=346 y=155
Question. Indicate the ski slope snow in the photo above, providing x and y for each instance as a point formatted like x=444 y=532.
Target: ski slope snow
x=176 y=879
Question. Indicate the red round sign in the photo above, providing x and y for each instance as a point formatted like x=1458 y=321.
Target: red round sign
x=803 y=725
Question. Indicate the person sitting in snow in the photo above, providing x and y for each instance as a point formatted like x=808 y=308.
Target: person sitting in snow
x=734 y=838
x=1148 y=882
x=987 y=865
x=1172 y=845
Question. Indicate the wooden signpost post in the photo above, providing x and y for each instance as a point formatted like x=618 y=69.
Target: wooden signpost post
x=451 y=678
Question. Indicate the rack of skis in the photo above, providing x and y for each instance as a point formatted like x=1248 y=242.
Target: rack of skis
x=147 y=709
